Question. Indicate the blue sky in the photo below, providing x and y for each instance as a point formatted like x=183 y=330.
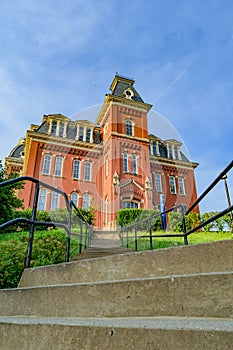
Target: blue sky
x=60 y=57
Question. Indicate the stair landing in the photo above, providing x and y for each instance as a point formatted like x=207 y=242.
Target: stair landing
x=103 y=243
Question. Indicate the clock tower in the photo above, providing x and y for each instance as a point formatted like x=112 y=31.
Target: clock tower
x=124 y=170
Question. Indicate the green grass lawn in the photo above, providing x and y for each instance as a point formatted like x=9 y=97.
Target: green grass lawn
x=166 y=242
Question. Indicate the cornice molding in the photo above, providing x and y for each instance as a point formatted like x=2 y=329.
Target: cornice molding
x=65 y=142
x=173 y=162
x=124 y=136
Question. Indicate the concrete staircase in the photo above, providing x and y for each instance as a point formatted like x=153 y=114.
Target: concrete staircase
x=103 y=243
x=176 y=298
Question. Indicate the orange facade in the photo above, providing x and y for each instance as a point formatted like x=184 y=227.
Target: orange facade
x=109 y=165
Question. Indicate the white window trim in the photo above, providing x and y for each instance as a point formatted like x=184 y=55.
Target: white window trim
x=125 y=159
x=132 y=126
x=84 y=177
x=41 y=202
x=79 y=170
x=89 y=201
x=134 y=159
x=171 y=176
x=54 y=194
x=159 y=176
x=76 y=194
x=55 y=166
x=183 y=186
x=50 y=163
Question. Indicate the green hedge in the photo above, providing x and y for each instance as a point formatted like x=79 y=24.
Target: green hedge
x=127 y=216
x=49 y=247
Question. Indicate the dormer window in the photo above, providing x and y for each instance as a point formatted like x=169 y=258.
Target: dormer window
x=57 y=128
x=88 y=135
x=61 y=129
x=81 y=132
x=129 y=127
x=129 y=94
x=176 y=153
x=169 y=151
x=54 y=128
x=84 y=133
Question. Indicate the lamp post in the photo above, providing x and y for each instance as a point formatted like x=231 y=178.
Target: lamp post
x=228 y=198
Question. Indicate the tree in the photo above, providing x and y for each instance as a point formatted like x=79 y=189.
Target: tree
x=8 y=198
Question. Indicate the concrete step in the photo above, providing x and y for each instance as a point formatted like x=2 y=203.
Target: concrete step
x=194 y=295
x=208 y=257
x=94 y=252
x=164 y=333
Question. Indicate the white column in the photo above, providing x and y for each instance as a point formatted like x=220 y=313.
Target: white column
x=84 y=133
x=77 y=133
x=50 y=127
x=151 y=148
x=173 y=152
x=58 y=126
x=157 y=148
x=91 y=138
x=65 y=128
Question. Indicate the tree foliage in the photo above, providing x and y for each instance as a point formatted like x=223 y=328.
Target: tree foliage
x=8 y=198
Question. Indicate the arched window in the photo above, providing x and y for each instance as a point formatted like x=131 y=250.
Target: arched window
x=74 y=197
x=129 y=127
x=86 y=201
x=125 y=162
x=76 y=169
x=58 y=166
x=46 y=164
x=134 y=164
x=54 y=201
x=42 y=199
x=87 y=171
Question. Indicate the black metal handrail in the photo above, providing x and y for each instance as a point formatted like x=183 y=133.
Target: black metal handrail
x=210 y=187
x=184 y=213
x=148 y=222
x=33 y=222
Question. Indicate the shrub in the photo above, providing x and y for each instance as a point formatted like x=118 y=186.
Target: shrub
x=27 y=213
x=175 y=221
x=49 y=247
x=126 y=216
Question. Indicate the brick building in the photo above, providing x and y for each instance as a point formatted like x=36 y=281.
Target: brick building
x=111 y=164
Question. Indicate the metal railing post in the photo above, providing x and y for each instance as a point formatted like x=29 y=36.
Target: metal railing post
x=68 y=232
x=136 y=238
x=32 y=228
x=151 y=240
x=86 y=237
x=81 y=237
x=184 y=224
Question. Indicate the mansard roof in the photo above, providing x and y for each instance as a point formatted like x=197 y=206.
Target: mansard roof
x=121 y=85
x=17 y=151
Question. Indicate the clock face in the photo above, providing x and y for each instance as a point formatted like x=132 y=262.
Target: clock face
x=128 y=93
